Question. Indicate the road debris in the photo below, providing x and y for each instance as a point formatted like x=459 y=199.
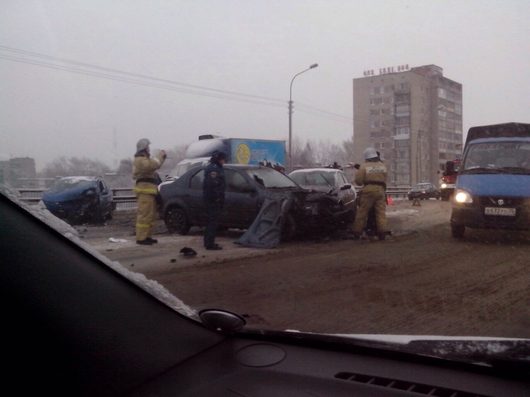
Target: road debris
x=188 y=252
x=117 y=240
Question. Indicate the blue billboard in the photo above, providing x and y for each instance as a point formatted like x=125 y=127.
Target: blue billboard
x=255 y=151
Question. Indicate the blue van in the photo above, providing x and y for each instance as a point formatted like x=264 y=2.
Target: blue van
x=493 y=184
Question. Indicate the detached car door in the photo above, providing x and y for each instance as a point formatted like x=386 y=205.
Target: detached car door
x=241 y=200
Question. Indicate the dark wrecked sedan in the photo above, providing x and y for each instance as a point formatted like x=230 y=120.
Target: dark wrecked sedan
x=247 y=188
x=340 y=196
x=79 y=198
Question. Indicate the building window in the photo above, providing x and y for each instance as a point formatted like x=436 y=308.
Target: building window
x=401 y=120
x=402 y=110
x=401 y=130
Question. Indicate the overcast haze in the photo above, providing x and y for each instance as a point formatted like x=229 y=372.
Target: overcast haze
x=248 y=46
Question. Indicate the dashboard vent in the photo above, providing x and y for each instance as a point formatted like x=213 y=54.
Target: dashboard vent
x=411 y=387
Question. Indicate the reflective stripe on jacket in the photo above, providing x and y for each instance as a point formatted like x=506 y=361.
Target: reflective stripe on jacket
x=371 y=175
x=145 y=188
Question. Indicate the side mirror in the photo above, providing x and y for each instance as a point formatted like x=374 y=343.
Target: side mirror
x=345 y=187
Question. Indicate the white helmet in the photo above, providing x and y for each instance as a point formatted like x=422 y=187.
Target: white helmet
x=142 y=144
x=370 y=153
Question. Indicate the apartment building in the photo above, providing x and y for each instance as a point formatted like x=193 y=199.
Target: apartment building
x=413 y=117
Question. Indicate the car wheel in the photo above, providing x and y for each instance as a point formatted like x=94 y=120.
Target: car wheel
x=458 y=231
x=177 y=221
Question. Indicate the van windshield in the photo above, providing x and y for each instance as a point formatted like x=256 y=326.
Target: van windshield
x=498 y=155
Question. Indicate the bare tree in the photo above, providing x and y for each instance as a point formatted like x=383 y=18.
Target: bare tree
x=322 y=153
x=74 y=166
x=303 y=155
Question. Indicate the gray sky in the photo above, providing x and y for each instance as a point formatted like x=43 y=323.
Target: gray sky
x=248 y=46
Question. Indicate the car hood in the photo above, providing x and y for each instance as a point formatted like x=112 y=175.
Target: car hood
x=511 y=185
x=65 y=195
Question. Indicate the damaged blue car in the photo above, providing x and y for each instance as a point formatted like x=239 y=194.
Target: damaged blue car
x=80 y=199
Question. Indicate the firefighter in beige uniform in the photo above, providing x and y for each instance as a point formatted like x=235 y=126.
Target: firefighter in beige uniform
x=144 y=168
x=372 y=176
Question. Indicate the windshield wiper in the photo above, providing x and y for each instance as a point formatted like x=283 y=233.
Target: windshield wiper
x=516 y=170
x=482 y=170
x=503 y=353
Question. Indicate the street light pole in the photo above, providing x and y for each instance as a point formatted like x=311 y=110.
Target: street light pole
x=291 y=113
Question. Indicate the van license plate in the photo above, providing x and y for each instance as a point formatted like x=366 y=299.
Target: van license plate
x=499 y=211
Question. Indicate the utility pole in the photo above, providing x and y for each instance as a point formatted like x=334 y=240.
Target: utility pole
x=290 y=134
x=291 y=114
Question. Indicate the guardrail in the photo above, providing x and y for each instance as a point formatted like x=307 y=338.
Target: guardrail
x=124 y=197
x=397 y=192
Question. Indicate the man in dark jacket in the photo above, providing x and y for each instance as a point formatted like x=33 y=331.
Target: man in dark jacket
x=214 y=197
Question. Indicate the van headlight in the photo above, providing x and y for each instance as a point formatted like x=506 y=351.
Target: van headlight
x=463 y=197
x=444 y=185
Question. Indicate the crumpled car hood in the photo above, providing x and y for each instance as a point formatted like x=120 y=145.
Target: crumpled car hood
x=65 y=195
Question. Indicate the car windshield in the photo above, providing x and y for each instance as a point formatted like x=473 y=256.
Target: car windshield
x=313 y=178
x=70 y=183
x=269 y=178
x=305 y=164
x=498 y=155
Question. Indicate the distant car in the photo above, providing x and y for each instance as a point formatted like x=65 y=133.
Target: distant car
x=80 y=198
x=334 y=183
x=424 y=191
x=247 y=187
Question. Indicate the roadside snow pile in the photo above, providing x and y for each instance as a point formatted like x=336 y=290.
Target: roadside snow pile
x=150 y=286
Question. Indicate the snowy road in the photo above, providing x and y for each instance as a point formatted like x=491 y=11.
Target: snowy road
x=422 y=282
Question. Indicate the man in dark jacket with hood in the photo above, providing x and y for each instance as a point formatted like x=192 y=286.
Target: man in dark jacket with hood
x=214 y=197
